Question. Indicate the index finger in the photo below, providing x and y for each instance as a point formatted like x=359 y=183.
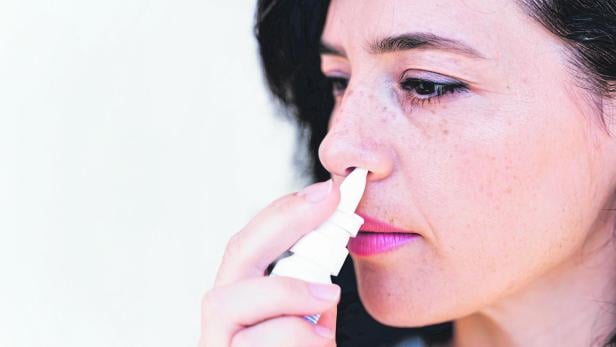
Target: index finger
x=275 y=229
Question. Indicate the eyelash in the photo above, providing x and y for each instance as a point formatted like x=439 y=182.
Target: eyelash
x=409 y=85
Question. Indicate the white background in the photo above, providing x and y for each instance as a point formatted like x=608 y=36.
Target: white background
x=135 y=137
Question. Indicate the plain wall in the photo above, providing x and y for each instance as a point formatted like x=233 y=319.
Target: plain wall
x=135 y=137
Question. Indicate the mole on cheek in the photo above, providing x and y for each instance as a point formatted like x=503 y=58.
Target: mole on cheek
x=444 y=127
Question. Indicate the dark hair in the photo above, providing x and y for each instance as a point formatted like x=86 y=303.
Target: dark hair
x=288 y=33
x=587 y=29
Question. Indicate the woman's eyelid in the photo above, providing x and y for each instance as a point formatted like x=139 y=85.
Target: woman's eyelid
x=336 y=74
x=430 y=76
x=407 y=74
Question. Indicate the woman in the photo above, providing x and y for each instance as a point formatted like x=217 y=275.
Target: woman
x=487 y=129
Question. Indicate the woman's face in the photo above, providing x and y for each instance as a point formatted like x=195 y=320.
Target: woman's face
x=503 y=176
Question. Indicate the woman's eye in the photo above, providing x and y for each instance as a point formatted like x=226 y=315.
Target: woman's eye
x=425 y=90
x=338 y=84
x=418 y=90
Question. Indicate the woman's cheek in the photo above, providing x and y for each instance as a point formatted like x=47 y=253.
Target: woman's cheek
x=508 y=212
x=499 y=198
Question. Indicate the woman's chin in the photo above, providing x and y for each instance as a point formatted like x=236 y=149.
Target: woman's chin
x=397 y=299
x=392 y=305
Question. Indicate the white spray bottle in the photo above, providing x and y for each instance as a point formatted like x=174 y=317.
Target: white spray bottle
x=320 y=254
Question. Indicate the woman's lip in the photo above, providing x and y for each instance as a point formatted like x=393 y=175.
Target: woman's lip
x=367 y=243
x=376 y=236
x=374 y=225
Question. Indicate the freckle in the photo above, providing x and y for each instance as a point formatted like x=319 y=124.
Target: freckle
x=508 y=191
x=443 y=125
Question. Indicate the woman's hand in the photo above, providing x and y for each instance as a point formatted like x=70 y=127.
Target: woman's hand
x=247 y=308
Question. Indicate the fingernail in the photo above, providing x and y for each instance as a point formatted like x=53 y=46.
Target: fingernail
x=324 y=331
x=328 y=292
x=317 y=192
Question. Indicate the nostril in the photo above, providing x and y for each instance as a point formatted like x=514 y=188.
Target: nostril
x=349 y=170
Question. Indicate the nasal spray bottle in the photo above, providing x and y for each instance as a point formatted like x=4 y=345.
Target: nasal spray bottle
x=321 y=253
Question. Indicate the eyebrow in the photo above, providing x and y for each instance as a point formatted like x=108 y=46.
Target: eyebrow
x=409 y=41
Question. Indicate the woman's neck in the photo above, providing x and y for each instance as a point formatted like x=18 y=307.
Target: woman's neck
x=572 y=305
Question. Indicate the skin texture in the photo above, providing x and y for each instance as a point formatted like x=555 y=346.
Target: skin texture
x=506 y=182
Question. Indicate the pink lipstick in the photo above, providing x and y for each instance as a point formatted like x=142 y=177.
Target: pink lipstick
x=376 y=237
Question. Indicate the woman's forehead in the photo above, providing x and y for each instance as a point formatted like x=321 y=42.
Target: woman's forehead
x=483 y=26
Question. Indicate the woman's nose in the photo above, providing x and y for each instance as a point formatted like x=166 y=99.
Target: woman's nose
x=355 y=140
